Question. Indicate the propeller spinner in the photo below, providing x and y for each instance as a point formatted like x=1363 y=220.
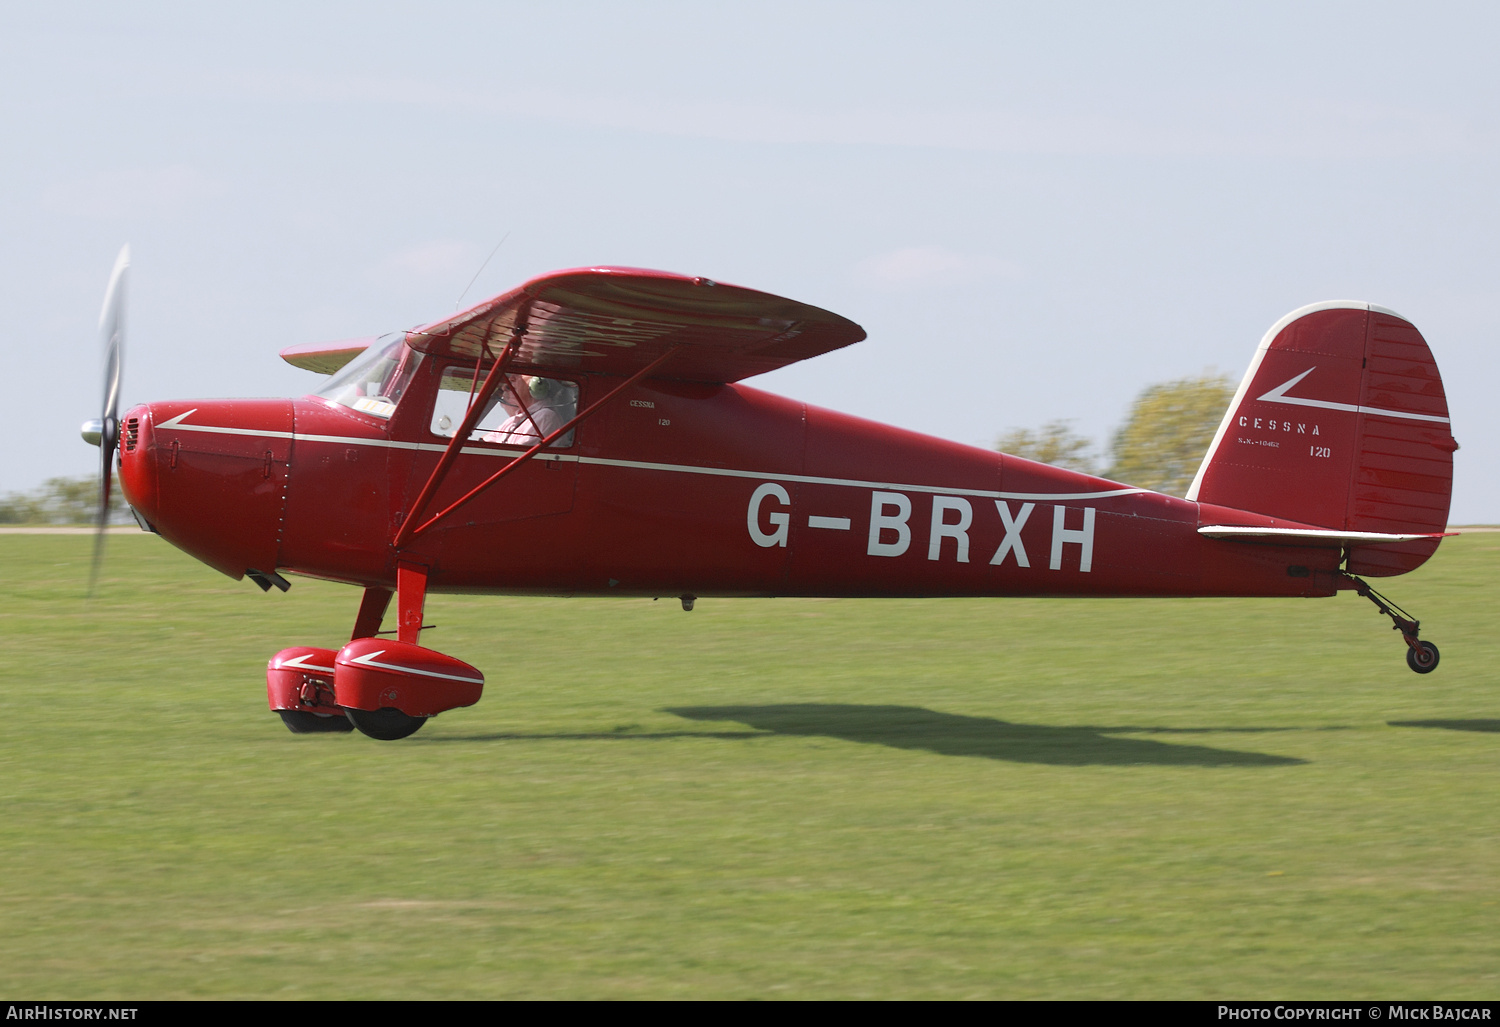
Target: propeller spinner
x=104 y=431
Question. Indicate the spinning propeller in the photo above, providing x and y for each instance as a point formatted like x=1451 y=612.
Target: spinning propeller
x=104 y=431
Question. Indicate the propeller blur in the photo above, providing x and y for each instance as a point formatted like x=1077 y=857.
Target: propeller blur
x=104 y=431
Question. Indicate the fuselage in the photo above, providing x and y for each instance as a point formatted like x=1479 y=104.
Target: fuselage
x=672 y=489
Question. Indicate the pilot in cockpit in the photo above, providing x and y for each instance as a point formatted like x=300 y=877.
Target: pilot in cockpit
x=541 y=415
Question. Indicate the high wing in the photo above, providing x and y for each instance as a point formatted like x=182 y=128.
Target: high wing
x=615 y=320
x=325 y=357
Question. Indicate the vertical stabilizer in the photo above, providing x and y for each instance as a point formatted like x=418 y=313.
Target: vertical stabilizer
x=1340 y=422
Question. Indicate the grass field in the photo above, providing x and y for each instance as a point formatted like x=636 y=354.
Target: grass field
x=941 y=798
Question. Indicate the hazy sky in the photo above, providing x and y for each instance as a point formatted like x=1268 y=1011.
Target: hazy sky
x=1034 y=210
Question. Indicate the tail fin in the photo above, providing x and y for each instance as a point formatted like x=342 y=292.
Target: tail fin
x=1340 y=422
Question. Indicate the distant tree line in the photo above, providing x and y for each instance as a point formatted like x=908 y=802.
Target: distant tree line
x=63 y=501
x=1159 y=446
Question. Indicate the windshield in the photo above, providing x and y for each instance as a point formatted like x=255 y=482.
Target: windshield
x=373 y=382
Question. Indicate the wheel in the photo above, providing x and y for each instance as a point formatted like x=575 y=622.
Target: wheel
x=386 y=724
x=301 y=722
x=1423 y=659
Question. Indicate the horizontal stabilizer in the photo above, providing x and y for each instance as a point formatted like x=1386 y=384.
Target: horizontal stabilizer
x=1312 y=536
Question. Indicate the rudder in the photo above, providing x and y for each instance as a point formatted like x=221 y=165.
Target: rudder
x=1340 y=422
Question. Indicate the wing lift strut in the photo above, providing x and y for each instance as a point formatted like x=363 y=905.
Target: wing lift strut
x=1421 y=656
x=411 y=574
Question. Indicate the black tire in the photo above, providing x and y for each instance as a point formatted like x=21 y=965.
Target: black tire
x=386 y=724
x=1423 y=659
x=301 y=722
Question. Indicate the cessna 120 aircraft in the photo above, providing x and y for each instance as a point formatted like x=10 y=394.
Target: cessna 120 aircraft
x=587 y=434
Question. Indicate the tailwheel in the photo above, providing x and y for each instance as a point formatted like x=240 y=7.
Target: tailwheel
x=301 y=722
x=1421 y=657
x=386 y=724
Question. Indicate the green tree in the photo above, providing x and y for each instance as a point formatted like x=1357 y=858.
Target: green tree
x=19 y=508
x=63 y=501
x=1053 y=443
x=1170 y=426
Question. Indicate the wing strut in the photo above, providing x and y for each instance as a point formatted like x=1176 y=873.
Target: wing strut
x=407 y=532
x=477 y=405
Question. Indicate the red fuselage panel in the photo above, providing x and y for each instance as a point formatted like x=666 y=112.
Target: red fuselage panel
x=677 y=488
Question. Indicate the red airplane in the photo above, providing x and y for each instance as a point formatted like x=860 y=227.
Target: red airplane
x=587 y=434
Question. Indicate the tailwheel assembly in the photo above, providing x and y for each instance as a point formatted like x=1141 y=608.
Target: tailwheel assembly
x=1421 y=656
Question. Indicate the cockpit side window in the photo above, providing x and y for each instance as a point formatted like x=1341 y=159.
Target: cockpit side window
x=524 y=410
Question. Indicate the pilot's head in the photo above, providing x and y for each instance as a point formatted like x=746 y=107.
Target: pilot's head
x=543 y=390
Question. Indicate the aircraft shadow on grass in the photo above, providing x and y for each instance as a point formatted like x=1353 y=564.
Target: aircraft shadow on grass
x=1450 y=725
x=950 y=734
x=947 y=734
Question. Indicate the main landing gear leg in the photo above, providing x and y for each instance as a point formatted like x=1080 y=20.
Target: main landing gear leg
x=1421 y=657
x=389 y=723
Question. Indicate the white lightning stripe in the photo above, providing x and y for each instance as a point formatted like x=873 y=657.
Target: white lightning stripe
x=368 y=660
x=836 y=523
x=1279 y=395
x=642 y=465
x=301 y=663
x=1402 y=413
x=176 y=424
